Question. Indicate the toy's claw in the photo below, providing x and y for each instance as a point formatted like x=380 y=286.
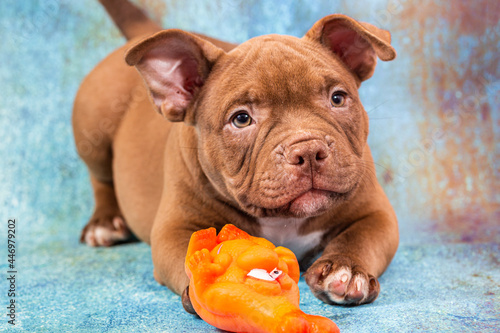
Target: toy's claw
x=322 y=325
x=200 y=260
x=202 y=239
x=298 y=322
x=230 y=232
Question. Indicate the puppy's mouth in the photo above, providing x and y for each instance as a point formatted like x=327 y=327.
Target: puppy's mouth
x=308 y=203
x=313 y=202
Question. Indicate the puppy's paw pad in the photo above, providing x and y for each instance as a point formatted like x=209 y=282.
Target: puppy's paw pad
x=337 y=282
x=357 y=290
x=341 y=284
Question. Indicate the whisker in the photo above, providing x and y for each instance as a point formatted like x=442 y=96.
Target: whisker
x=378 y=118
x=376 y=107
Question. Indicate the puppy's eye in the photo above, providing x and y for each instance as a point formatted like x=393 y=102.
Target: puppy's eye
x=338 y=99
x=242 y=120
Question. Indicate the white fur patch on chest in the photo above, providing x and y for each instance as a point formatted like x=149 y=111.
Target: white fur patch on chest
x=285 y=232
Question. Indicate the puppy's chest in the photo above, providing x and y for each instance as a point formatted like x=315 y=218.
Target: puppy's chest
x=286 y=232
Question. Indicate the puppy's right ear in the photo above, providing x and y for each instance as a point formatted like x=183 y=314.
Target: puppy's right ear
x=175 y=65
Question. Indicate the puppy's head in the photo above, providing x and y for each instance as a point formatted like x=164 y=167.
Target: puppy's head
x=281 y=129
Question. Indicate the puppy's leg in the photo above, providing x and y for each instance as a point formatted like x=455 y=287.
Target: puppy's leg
x=169 y=253
x=96 y=117
x=107 y=225
x=168 y=249
x=347 y=271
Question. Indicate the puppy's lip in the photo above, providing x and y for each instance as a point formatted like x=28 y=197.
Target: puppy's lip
x=313 y=193
x=314 y=201
x=318 y=192
x=317 y=200
x=310 y=203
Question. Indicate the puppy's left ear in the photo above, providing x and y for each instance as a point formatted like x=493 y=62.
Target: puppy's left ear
x=357 y=44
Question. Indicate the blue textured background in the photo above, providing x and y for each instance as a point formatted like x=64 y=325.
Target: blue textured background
x=435 y=126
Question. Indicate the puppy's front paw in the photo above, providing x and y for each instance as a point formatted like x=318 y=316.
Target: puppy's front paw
x=105 y=230
x=339 y=281
x=186 y=302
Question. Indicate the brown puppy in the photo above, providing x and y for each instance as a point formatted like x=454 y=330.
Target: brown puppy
x=269 y=135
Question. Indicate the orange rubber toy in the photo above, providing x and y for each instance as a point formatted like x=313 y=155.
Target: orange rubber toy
x=241 y=283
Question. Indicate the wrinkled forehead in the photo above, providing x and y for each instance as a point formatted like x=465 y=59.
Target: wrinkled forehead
x=275 y=68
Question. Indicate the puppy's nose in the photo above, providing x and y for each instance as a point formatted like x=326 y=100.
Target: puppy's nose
x=307 y=153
